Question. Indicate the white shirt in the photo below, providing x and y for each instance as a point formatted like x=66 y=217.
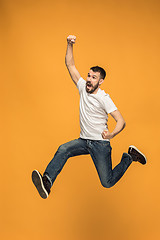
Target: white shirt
x=94 y=110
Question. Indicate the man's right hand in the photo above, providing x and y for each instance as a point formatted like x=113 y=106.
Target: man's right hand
x=69 y=60
x=71 y=39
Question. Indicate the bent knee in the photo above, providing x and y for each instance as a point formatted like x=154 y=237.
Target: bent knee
x=107 y=184
x=62 y=148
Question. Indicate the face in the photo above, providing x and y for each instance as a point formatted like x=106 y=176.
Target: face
x=93 y=82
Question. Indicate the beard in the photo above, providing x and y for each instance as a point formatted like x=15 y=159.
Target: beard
x=92 y=88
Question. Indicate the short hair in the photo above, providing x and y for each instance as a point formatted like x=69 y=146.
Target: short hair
x=100 y=70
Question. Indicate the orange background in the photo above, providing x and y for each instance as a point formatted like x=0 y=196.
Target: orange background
x=39 y=111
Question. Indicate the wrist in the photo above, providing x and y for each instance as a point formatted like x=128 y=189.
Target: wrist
x=113 y=134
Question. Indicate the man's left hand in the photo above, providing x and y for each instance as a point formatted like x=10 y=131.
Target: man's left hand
x=107 y=134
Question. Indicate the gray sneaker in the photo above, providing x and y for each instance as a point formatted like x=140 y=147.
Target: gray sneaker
x=41 y=183
x=137 y=155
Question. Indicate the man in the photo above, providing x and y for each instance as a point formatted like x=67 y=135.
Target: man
x=95 y=105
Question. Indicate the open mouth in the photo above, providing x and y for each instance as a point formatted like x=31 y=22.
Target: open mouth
x=88 y=84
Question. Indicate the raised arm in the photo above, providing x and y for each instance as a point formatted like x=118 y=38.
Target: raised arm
x=69 y=59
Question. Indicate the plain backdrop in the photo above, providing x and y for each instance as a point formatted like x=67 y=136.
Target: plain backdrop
x=39 y=108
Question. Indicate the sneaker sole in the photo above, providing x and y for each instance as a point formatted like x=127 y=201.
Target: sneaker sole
x=139 y=152
x=37 y=181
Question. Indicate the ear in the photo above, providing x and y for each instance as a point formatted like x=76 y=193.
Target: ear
x=101 y=81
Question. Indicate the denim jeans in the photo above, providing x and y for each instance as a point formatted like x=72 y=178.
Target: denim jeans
x=100 y=152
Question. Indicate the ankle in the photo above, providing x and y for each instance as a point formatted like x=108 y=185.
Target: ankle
x=49 y=181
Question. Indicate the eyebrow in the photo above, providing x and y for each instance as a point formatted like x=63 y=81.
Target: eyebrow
x=93 y=75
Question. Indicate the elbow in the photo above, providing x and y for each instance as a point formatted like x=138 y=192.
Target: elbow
x=124 y=124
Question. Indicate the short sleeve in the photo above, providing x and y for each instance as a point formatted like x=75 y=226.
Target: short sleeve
x=109 y=105
x=81 y=84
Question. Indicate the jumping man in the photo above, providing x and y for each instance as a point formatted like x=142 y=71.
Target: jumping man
x=95 y=105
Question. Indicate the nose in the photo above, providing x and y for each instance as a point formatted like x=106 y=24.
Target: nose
x=89 y=79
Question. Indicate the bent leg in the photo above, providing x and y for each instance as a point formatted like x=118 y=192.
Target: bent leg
x=65 y=151
x=101 y=155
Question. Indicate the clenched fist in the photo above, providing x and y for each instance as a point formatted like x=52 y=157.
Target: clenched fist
x=71 y=39
x=107 y=135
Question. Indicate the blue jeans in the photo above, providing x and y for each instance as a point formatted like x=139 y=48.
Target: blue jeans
x=100 y=152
